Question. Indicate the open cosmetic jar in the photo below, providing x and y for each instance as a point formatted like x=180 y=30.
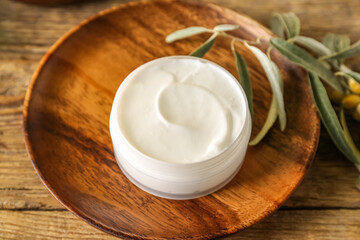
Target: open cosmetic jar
x=180 y=127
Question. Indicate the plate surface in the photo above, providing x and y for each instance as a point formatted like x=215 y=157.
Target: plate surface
x=67 y=110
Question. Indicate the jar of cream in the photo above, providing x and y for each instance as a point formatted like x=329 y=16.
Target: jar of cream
x=180 y=127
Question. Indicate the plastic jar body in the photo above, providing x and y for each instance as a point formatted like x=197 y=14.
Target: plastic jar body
x=178 y=180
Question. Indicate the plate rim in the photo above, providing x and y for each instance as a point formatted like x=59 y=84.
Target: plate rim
x=83 y=216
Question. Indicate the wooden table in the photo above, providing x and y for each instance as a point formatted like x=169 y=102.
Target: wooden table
x=325 y=206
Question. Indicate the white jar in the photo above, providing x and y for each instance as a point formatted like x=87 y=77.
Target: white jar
x=180 y=180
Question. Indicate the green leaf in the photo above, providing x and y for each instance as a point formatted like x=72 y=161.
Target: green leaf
x=316 y=47
x=277 y=71
x=352 y=51
x=200 y=51
x=184 y=33
x=313 y=45
x=292 y=23
x=270 y=120
x=281 y=107
x=278 y=26
x=329 y=118
x=348 y=137
x=336 y=42
x=244 y=79
x=348 y=71
x=287 y=23
x=226 y=27
x=302 y=58
x=274 y=77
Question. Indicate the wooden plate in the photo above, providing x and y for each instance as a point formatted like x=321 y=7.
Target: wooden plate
x=67 y=110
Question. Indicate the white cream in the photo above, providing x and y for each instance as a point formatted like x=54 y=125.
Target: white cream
x=180 y=127
x=181 y=110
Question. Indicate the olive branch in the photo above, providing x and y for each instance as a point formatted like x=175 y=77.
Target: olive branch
x=321 y=60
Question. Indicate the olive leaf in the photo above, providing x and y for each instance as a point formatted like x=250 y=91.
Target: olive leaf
x=200 y=51
x=302 y=58
x=313 y=45
x=348 y=138
x=348 y=71
x=244 y=78
x=316 y=47
x=286 y=22
x=278 y=26
x=269 y=122
x=293 y=24
x=274 y=77
x=226 y=27
x=277 y=71
x=281 y=107
x=336 y=42
x=352 y=51
x=184 y=33
x=329 y=118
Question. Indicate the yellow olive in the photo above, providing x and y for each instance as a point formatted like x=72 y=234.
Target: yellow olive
x=356 y=113
x=354 y=86
x=336 y=96
x=350 y=101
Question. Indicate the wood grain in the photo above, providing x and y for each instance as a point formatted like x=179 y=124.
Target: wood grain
x=315 y=224
x=27 y=31
x=46 y=2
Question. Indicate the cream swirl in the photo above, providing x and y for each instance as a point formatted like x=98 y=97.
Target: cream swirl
x=181 y=110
